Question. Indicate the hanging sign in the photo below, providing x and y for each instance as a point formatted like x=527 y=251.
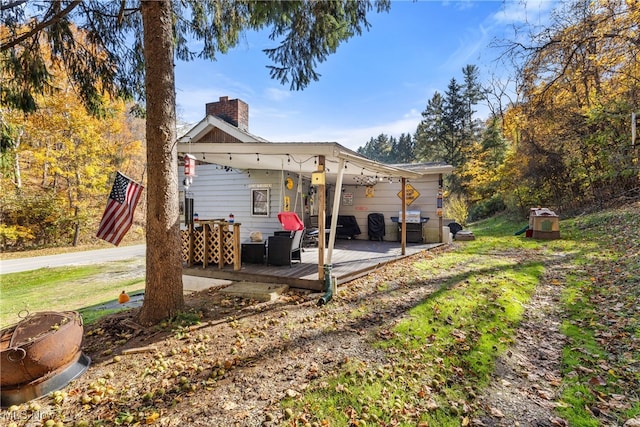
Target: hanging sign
x=411 y=194
x=288 y=183
x=369 y=192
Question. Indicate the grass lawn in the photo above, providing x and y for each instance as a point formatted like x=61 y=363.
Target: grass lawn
x=67 y=288
x=440 y=353
x=443 y=352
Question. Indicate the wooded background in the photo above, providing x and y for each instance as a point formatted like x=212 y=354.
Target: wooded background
x=559 y=134
x=58 y=165
x=562 y=139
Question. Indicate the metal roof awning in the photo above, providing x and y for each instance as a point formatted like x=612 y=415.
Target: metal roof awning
x=302 y=158
x=341 y=165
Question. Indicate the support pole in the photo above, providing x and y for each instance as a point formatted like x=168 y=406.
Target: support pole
x=403 y=218
x=322 y=209
x=439 y=208
x=329 y=282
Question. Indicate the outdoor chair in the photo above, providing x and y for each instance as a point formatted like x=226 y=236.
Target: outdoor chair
x=311 y=233
x=285 y=247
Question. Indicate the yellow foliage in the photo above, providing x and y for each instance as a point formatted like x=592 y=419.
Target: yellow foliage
x=64 y=149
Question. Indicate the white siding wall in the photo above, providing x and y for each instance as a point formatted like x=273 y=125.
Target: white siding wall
x=385 y=200
x=217 y=193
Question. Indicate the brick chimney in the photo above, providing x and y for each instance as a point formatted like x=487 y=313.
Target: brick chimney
x=232 y=111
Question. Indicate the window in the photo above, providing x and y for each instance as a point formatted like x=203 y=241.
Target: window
x=260 y=202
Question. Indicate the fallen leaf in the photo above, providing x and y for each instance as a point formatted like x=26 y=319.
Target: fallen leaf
x=496 y=413
x=432 y=405
x=152 y=418
x=545 y=394
x=291 y=392
x=558 y=422
x=228 y=405
x=632 y=422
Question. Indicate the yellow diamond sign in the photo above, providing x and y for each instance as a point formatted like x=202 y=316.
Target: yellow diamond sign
x=411 y=194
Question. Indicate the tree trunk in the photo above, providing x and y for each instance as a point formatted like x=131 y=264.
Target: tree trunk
x=163 y=289
x=76 y=228
x=16 y=165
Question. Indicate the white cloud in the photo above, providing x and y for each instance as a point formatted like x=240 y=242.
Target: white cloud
x=468 y=50
x=193 y=92
x=520 y=12
x=260 y=113
x=276 y=94
x=349 y=137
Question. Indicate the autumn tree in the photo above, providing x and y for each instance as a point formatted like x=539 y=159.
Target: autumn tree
x=56 y=165
x=68 y=155
x=484 y=171
x=579 y=85
x=130 y=49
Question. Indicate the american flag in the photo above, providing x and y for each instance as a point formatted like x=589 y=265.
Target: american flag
x=118 y=215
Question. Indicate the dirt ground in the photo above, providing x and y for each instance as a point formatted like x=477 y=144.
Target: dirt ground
x=526 y=378
x=234 y=367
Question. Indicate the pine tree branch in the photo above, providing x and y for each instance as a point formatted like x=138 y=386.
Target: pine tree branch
x=42 y=25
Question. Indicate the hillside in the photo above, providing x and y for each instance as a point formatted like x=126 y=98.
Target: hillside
x=499 y=331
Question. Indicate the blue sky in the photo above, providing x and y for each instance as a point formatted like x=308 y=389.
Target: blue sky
x=375 y=83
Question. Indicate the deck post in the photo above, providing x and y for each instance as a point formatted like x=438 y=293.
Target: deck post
x=337 y=195
x=322 y=215
x=220 y=242
x=403 y=218
x=236 y=246
x=190 y=255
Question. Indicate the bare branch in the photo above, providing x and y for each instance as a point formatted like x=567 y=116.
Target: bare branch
x=11 y=5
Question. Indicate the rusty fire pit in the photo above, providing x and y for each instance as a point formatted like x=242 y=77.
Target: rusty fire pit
x=40 y=354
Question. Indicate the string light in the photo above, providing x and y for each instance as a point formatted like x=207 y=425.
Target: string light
x=230 y=156
x=367 y=181
x=258 y=157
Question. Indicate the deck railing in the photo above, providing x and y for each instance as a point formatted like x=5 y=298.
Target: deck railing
x=211 y=242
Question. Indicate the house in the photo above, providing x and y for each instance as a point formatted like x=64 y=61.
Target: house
x=253 y=179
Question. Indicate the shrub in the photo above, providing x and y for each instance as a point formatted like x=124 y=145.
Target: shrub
x=487 y=208
x=457 y=208
x=33 y=220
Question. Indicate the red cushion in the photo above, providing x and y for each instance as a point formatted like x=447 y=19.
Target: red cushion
x=290 y=221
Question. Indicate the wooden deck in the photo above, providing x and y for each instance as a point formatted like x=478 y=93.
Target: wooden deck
x=351 y=259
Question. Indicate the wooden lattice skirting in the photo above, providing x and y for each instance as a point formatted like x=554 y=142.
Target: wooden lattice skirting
x=211 y=243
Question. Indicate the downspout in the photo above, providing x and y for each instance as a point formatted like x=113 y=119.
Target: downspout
x=329 y=283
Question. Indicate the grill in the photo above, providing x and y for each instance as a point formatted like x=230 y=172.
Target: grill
x=414 y=226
